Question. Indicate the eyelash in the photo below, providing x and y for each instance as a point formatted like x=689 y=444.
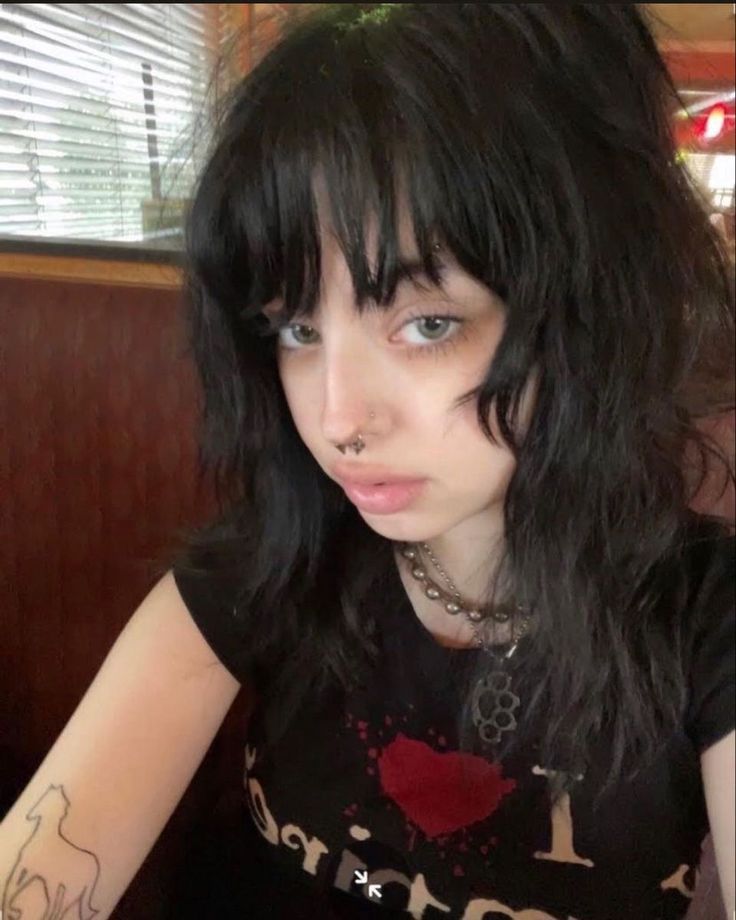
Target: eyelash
x=432 y=348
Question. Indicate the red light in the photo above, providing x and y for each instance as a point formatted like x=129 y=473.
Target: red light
x=714 y=122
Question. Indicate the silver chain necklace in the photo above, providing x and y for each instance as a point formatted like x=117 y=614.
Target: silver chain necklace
x=495 y=688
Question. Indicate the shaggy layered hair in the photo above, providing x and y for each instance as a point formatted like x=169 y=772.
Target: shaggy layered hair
x=535 y=141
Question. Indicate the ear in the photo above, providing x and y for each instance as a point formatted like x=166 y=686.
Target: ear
x=718 y=767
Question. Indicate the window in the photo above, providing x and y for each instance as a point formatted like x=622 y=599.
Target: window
x=104 y=116
x=99 y=108
x=715 y=173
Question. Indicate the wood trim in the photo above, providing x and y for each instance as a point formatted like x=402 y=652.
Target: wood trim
x=669 y=45
x=92 y=271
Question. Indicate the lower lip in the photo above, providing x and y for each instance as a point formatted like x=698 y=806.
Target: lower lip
x=386 y=499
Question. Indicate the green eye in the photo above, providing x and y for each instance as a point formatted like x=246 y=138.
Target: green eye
x=427 y=331
x=296 y=330
x=438 y=322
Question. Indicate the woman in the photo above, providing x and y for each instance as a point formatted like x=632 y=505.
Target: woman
x=450 y=290
x=448 y=282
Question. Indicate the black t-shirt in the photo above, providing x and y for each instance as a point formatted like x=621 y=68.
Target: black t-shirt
x=366 y=808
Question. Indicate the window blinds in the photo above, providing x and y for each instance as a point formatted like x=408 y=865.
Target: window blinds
x=99 y=104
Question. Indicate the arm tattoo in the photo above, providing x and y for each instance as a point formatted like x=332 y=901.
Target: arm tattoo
x=47 y=862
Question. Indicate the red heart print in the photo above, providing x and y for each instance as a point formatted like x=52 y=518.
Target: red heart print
x=440 y=792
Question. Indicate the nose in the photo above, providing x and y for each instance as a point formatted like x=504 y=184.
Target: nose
x=349 y=391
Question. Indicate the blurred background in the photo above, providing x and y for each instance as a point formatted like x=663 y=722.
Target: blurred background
x=104 y=108
x=104 y=123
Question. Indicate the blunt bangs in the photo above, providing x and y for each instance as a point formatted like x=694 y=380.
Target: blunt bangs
x=488 y=127
x=344 y=129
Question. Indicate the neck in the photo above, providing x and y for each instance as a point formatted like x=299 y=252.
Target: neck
x=469 y=553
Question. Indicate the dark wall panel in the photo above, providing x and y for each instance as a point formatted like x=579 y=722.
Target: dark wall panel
x=97 y=459
x=97 y=456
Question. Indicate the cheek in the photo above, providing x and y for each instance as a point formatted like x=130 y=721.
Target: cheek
x=295 y=398
x=489 y=466
x=300 y=414
x=467 y=415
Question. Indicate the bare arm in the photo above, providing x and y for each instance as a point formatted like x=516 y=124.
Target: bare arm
x=719 y=781
x=88 y=818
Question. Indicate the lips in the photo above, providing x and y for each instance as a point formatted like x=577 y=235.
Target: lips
x=364 y=474
x=387 y=498
x=377 y=489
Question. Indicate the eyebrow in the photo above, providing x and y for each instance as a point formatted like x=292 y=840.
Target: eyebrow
x=406 y=269
x=413 y=269
x=410 y=268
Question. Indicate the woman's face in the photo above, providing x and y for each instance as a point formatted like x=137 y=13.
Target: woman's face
x=338 y=367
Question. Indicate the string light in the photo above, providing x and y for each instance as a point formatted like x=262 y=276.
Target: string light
x=714 y=122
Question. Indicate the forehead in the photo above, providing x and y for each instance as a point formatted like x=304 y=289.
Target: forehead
x=412 y=276
x=339 y=246
x=329 y=237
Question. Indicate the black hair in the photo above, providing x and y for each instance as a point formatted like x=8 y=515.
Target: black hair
x=535 y=141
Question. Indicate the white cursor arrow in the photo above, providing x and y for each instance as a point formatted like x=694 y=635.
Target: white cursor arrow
x=361 y=877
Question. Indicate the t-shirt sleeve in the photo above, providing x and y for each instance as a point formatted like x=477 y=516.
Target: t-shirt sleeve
x=213 y=611
x=712 y=708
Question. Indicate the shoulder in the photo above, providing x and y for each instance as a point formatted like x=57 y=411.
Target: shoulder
x=710 y=635
x=211 y=602
x=710 y=556
x=708 y=569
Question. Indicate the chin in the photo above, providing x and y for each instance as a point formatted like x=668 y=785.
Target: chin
x=403 y=527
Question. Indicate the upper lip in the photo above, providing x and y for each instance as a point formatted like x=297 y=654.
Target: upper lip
x=368 y=475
